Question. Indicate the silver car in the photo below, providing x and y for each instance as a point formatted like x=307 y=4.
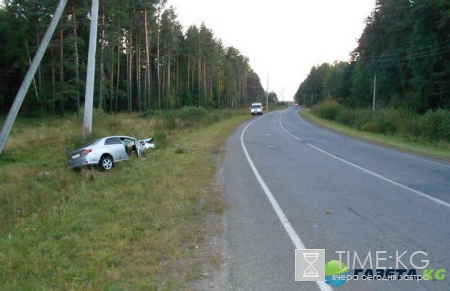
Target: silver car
x=105 y=152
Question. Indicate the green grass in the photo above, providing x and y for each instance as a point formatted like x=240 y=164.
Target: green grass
x=132 y=228
x=433 y=150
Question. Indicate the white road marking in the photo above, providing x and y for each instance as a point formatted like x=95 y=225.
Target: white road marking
x=382 y=177
x=284 y=220
x=329 y=132
x=279 y=121
x=443 y=203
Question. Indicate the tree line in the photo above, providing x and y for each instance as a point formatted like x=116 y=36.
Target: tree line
x=406 y=45
x=144 y=59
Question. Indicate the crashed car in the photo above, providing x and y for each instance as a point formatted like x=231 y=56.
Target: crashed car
x=148 y=143
x=106 y=151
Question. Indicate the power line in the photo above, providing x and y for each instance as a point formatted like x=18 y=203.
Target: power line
x=434 y=52
x=410 y=50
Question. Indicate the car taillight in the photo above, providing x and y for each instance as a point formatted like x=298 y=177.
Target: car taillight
x=85 y=152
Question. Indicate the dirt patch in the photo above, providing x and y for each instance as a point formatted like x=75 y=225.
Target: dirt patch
x=212 y=251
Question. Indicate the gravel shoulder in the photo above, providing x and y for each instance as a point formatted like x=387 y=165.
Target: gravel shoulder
x=213 y=250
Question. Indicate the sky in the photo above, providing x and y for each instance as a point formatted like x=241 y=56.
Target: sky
x=283 y=39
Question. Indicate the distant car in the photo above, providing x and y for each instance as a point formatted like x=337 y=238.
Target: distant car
x=256 y=109
x=106 y=151
x=295 y=104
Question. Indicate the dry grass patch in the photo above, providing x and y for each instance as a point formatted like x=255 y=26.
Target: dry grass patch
x=131 y=228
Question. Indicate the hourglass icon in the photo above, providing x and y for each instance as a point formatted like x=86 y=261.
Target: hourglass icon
x=310 y=271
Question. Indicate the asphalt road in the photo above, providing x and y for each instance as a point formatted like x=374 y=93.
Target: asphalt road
x=337 y=194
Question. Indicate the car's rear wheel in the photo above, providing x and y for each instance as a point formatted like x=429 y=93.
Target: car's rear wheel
x=106 y=163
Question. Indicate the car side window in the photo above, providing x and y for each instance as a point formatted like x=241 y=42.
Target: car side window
x=112 y=140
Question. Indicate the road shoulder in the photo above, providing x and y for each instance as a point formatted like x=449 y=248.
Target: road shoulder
x=212 y=250
x=391 y=142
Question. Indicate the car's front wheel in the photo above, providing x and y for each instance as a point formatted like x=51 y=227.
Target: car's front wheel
x=106 y=163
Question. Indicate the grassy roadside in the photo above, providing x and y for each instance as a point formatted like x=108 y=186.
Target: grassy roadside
x=133 y=228
x=438 y=151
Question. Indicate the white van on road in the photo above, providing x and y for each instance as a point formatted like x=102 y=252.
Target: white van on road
x=256 y=109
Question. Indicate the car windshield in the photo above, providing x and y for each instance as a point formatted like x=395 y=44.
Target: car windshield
x=256 y=106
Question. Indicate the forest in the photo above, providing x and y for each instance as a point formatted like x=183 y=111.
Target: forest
x=406 y=46
x=145 y=59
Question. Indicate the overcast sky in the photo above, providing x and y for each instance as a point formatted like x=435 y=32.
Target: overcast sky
x=283 y=39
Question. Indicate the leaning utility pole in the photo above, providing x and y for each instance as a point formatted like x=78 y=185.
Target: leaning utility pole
x=29 y=76
x=90 y=77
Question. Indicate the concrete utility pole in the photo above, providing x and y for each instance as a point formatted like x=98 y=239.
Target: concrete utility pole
x=30 y=75
x=267 y=94
x=90 y=76
x=374 y=91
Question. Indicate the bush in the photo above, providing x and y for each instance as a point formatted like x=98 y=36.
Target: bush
x=435 y=125
x=387 y=121
x=169 y=120
x=149 y=113
x=410 y=128
x=328 y=109
x=211 y=118
x=346 y=117
x=362 y=118
x=192 y=116
x=189 y=117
